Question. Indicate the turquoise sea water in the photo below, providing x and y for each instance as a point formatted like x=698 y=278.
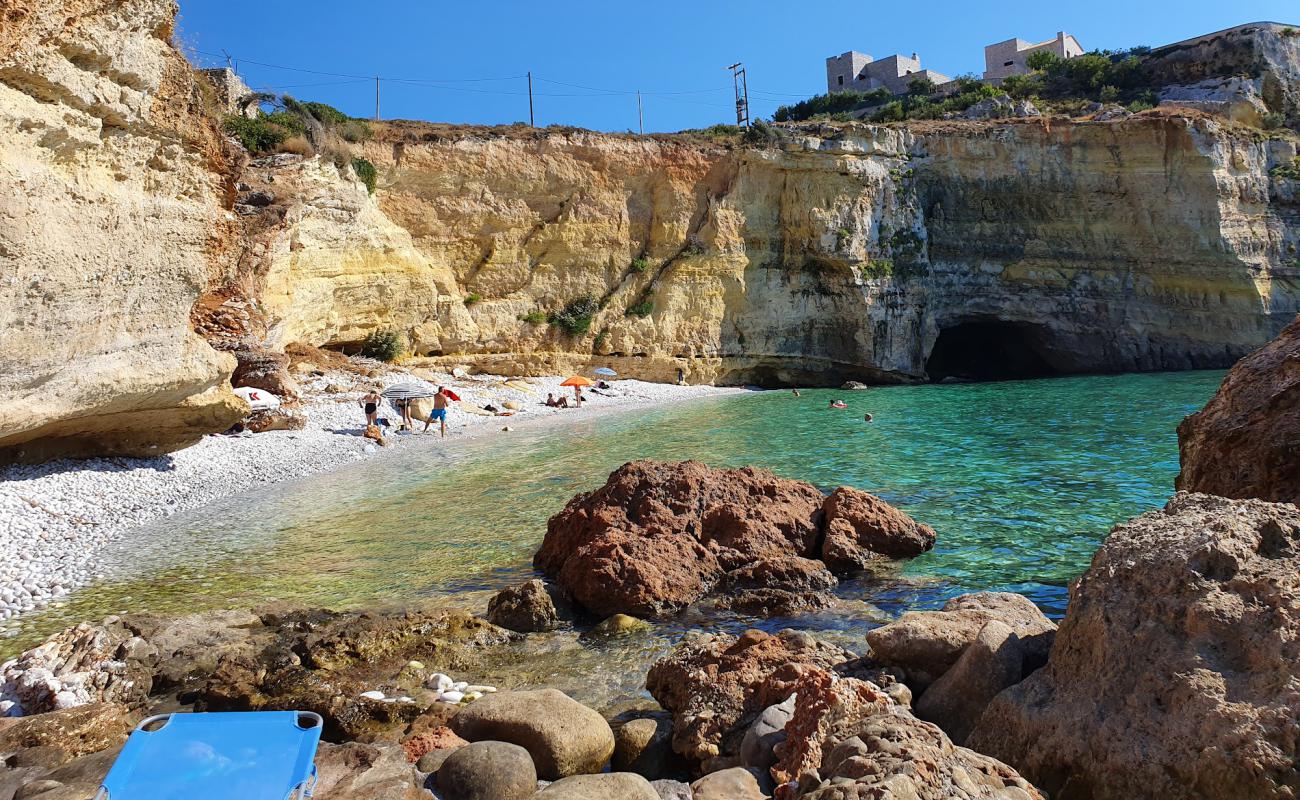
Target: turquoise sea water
x=1020 y=479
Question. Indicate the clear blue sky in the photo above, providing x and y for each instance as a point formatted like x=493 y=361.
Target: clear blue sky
x=668 y=46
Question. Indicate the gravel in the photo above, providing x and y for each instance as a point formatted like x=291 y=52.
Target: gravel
x=54 y=517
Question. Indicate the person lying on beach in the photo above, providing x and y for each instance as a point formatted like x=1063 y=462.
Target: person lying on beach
x=551 y=402
x=839 y=404
x=602 y=385
x=370 y=404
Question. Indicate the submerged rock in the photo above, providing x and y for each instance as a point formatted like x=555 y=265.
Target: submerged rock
x=563 y=736
x=526 y=608
x=1177 y=667
x=659 y=536
x=1245 y=443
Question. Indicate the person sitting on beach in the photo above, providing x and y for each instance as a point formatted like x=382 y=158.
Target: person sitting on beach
x=551 y=402
x=602 y=385
x=439 y=412
x=563 y=402
x=370 y=404
x=839 y=404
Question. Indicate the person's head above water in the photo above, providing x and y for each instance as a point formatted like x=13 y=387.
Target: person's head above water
x=868 y=417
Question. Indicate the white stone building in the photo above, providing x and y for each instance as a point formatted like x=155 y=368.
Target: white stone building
x=1008 y=58
x=854 y=71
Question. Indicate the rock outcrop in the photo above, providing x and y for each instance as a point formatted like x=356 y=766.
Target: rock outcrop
x=115 y=222
x=1245 y=443
x=1175 y=669
x=563 y=736
x=659 y=536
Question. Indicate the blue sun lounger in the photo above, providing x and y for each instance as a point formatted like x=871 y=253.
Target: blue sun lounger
x=255 y=755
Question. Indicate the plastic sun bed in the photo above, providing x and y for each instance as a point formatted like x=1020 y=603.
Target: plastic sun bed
x=256 y=755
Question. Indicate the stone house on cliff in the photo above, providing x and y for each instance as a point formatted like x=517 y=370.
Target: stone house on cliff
x=1004 y=59
x=854 y=71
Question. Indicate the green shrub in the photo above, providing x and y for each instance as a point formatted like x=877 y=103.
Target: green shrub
x=843 y=236
x=256 y=135
x=354 y=131
x=1272 y=120
x=1291 y=170
x=1041 y=60
x=641 y=309
x=920 y=86
x=760 y=133
x=472 y=298
x=878 y=268
x=833 y=103
x=693 y=248
x=1108 y=94
x=289 y=121
x=383 y=345
x=602 y=339
x=1289 y=32
x=533 y=318
x=575 y=319
x=640 y=265
x=366 y=173
x=325 y=114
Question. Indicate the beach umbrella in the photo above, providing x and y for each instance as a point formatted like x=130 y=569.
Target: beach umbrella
x=451 y=395
x=604 y=372
x=407 y=391
x=258 y=399
x=577 y=380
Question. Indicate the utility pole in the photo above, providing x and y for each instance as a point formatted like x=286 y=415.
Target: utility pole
x=531 y=123
x=742 y=93
x=376 y=98
x=640 y=113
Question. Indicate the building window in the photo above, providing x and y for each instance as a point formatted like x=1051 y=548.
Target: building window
x=840 y=80
x=1008 y=63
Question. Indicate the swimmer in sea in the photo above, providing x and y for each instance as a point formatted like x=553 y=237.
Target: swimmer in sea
x=794 y=392
x=839 y=404
x=868 y=418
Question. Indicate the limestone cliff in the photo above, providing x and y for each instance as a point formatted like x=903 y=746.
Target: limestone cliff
x=975 y=248
x=111 y=216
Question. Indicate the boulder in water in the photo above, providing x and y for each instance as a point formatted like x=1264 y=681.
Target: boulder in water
x=563 y=736
x=526 y=608
x=862 y=528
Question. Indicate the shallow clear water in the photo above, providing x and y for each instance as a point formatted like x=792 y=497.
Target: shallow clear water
x=1020 y=479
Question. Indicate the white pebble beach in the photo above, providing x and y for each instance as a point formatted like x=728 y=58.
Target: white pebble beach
x=54 y=517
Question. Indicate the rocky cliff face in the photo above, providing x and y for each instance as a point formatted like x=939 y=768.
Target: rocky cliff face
x=982 y=249
x=111 y=220
x=979 y=249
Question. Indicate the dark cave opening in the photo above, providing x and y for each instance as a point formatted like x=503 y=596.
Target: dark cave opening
x=989 y=351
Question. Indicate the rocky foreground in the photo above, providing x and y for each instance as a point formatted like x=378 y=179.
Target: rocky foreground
x=1175 y=673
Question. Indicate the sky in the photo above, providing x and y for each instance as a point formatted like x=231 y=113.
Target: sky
x=466 y=62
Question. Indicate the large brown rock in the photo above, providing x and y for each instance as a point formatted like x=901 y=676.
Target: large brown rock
x=1246 y=441
x=488 y=771
x=264 y=369
x=926 y=644
x=527 y=608
x=849 y=740
x=276 y=419
x=356 y=771
x=717 y=685
x=563 y=736
x=71 y=732
x=605 y=786
x=991 y=663
x=862 y=528
x=659 y=535
x=1177 y=667
x=84 y=664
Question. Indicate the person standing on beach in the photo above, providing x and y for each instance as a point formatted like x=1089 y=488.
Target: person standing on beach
x=439 y=412
x=370 y=404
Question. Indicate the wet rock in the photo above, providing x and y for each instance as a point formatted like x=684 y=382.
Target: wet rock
x=768 y=730
x=422 y=742
x=356 y=771
x=716 y=685
x=774 y=602
x=926 y=644
x=563 y=736
x=853 y=386
x=619 y=623
x=276 y=419
x=68 y=733
x=791 y=573
x=847 y=739
x=526 y=608
x=861 y=528
x=266 y=370
x=605 y=786
x=488 y=771
x=736 y=783
x=1245 y=443
x=988 y=665
x=643 y=744
x=1176 y=668
x=659 y=536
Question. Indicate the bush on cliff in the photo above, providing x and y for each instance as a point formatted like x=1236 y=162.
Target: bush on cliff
x=256 y=135
x=383 y=345
x=833 y=103
x=366 y=173
x=575 y=319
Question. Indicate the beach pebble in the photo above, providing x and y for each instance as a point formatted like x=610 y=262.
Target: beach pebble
x=452 y=696
x=460 y=686
x=440 y=682
x=480 y=689
x=373 y=695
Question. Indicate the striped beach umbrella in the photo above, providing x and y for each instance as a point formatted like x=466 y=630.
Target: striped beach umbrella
x=407 y=391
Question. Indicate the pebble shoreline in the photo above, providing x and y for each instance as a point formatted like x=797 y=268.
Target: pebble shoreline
x=54 y=517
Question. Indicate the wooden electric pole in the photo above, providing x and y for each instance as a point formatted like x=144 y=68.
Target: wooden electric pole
x=531 y=123
x=742 y=93
x=376 y=98
x=640 y=113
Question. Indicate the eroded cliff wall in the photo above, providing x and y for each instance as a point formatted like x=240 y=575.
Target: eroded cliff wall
x=1156 y=242
x=112 y=187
